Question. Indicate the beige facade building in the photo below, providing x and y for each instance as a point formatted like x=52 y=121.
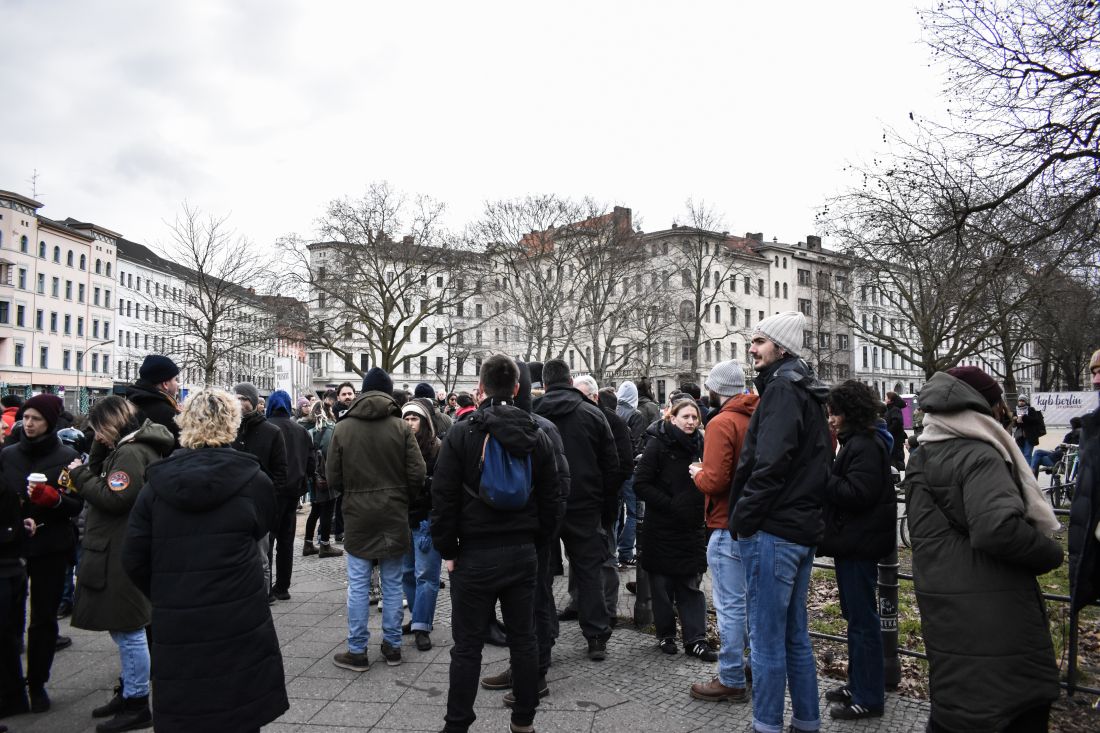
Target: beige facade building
x=56 y=304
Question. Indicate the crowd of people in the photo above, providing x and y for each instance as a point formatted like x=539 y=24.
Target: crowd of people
x=179 y=521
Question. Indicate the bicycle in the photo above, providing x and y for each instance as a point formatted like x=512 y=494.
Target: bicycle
x=903 y=517
x=1063 y=476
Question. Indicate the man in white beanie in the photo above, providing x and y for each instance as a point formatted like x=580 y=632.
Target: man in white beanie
x=777 y=519
x=726 y=433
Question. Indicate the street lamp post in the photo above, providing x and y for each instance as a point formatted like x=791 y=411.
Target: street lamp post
x=82 y=400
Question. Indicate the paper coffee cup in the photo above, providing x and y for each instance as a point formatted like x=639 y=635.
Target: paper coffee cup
x=37 y=478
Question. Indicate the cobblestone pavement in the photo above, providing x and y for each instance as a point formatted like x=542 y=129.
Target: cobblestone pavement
x=636 y=688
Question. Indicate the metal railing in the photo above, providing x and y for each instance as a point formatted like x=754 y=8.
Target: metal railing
x=888 y=578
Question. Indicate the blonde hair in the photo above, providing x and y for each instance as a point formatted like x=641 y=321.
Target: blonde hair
x=111 y=416
x=210 y=419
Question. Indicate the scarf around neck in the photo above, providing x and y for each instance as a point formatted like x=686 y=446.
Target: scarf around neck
x=939 y=427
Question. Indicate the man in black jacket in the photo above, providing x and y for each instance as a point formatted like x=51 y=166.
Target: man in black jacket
x=593 y=495
x=776 y=515
x=301 y=464
x=490 y=552
x=265 y=441
x=1084 y=513
x=895 y=425
x=154 y=393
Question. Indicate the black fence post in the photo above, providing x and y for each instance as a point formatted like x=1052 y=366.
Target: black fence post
x=1071 y=674
x=888 y=615
x=643 y=608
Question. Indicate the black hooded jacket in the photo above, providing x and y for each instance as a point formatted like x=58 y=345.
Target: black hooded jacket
x=1084 y=516
x=301 y=459
x=786 y=457
x=258 y=437
x=44 y=454
x=589 y=448
x=861 y=507
x=191 y=548
x=460 y=519
x=895 y=423
x=154 y=405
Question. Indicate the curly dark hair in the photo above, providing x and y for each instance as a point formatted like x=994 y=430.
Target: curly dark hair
x=856 y=403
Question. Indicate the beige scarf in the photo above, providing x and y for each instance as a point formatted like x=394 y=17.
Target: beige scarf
x=976 y=426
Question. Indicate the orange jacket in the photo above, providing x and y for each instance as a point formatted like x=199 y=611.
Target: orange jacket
x=8 y=419
x=726 y=432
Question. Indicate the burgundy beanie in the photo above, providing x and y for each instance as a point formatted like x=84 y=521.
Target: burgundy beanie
x=47 y=405
x=985 y=385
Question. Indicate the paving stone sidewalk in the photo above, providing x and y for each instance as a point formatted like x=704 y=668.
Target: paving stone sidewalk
x=637 y=688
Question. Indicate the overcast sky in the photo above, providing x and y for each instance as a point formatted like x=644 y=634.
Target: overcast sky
x=266 y=109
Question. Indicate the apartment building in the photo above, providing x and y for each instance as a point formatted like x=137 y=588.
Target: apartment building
x=56 y=304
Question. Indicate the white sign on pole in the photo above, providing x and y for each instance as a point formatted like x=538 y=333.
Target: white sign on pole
x=1059 y=407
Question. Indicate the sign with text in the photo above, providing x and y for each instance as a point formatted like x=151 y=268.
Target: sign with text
x=1059 y=407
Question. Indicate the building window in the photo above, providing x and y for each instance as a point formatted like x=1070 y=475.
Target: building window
x=805 y=306
x=842 y=341
x=22 y=278
x=784 y=290
x=41 y=284
x=5 y=311
x=760 y=287
x=68 y=324
x=66 y=357
x=823 y=309
x=57 y=254
x=106 y=367
x=68 y=290
x=874 y=358
x=83 y=262
x=439 y=365
x=95 y=362
x=777 y=287
x=748 y=318
x=20 y=315
x=572 y=354
x=423 y=365
x=38 y=320
x=803 y=277
x=79 y=325
x=19 y=349
x=44 y=356
x=824 y=340
x=69 y=258
x=807 y=339
x=842 y=371
x=23 y=244
x=80 y=292
x=748 y=285
x=55 y=287
x=53 y=321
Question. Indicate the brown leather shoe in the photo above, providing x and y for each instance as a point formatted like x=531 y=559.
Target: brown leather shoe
x=715 y=691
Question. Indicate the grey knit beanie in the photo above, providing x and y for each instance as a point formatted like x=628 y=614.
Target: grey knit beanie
x=248 y=391
x=784 y=329
x=726 y=378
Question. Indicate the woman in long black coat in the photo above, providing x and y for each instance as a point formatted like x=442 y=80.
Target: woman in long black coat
x=191 y=548
x=49 y=551
x=674 y=542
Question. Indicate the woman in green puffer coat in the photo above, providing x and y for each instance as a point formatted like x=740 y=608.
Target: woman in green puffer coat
x=981 y=535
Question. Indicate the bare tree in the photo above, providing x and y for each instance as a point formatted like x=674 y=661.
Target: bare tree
x=1024 y=84
x=709 y=264
x=220 y=325
x=383 y=276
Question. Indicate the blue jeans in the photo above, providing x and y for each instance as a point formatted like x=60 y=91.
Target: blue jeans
x=1040 y=457
x=728 y=583
x=133 y=655
x=359 y=571
x=777 y=577
x=421 y=578
x=626 y=528
x=1026 y=447
x=856 y=579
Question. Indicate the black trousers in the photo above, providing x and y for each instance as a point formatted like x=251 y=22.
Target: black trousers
x=46 y=575
x=320 y=512
x=546 y=612
x=683 y=591
x=587 y=547
x=13 y=596
x=338 y=517
x=610 y=576
x=282 y=541
x=481 y=577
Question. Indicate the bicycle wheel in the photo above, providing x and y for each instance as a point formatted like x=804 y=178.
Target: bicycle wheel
x=1056 y=491
x=903 y=531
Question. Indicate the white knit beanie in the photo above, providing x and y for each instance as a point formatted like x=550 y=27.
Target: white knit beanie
x=726 y=379
x=785 y=329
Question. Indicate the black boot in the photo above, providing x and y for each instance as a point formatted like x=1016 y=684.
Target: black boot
x=134 y=715
x=114 y=706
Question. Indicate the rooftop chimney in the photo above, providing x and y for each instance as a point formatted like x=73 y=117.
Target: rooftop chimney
x=813 y=242
x=755 y=236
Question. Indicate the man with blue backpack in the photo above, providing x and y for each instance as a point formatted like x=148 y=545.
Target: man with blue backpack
x=495 y=495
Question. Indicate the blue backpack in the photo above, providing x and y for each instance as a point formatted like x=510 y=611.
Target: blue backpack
x=505 y=479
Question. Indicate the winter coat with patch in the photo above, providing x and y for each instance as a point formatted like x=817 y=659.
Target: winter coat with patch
x=725 y=435
x=460 y=519
x=1084 y=516
x=589 y=448
x=975 y=562
x=258 y=437
x=674 y=540
x=375 y=463
x=44 y=454
x=191 y=548
x=861 y=506
x=785 y=460
x=106 y=599
x=155 y=405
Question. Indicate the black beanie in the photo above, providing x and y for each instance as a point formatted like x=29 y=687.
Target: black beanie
x=378 y=381
x=11 y=400
x=157 y=369
x=535 y=367
x=424 y=390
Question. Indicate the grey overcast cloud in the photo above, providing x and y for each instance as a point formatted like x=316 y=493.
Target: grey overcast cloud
x=266 y=110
